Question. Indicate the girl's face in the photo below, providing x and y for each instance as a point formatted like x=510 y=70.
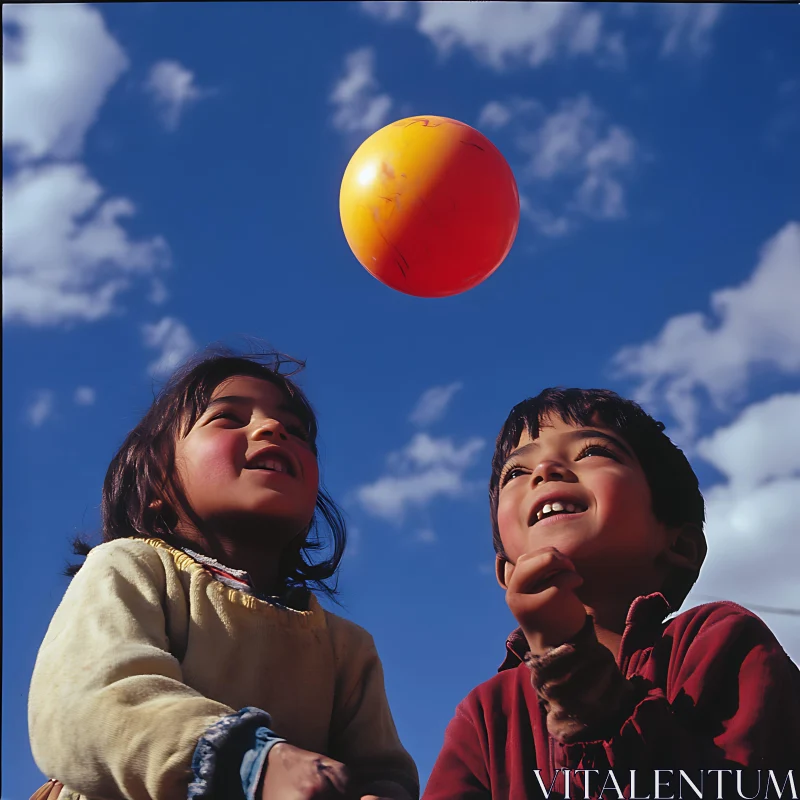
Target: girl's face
x=246 y=460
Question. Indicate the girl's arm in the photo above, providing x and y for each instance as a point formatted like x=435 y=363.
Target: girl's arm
x=109 y=713
x=363 y=734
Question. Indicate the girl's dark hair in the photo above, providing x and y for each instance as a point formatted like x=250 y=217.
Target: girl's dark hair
x=143 y=466
x=673 y=485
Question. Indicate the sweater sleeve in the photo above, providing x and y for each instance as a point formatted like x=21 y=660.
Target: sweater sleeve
x=363 y=733
x=732 y=700
x=109 y=714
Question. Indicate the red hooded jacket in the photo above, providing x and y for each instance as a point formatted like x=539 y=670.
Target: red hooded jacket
x=709 y=689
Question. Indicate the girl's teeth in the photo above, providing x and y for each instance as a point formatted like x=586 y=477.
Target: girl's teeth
x=571 y=508
x=557 y=506
x=547 y=508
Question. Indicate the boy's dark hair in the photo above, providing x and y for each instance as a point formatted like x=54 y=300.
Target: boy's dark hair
x=674 y=487
x=143 y=465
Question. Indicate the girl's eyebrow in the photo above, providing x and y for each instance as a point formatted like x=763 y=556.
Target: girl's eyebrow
x=234 y=398
x=581 y=433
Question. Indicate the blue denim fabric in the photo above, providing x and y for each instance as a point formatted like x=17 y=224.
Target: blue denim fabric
x=254 y=760
x=230 y=755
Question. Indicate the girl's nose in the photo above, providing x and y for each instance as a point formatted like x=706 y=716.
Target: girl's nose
x=550 y=470
x=271 y=429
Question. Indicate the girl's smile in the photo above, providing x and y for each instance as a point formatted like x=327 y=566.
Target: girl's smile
x=247 y=459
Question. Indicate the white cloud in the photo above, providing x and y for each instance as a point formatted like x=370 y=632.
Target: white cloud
x=42 y=407
x=574 y=149
x=751 y=518
x=173 y=88
x=426 y=536
x=497 y=115
x=386 y=10
x=503 y=34
x=358 y=107
x=687 y=26
x=425 y=451
x=85 y=396
x=354 y=543
x=761 y=445
x=175 y=342
x=57 y=70
x=159 y=294
x=425 y=469
x=433 y=403
x=66 y=256
x=570 y=141
x=545 y=221
x=753 y=324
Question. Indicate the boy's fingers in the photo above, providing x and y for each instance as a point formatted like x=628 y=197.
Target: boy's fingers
x=533 y=569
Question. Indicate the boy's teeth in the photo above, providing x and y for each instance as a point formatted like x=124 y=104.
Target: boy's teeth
x=556 y=507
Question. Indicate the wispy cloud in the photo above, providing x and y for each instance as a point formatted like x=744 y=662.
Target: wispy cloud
x=687 y=26
x=426 y=536
x=753 y=324
x=506 y=35
x=174 y=341
x=173 y=89
x=425 y=469
x=59 y=62
x=573 y=149
x=433 y=403
x=66 y=255
x=85 y=396
x=41 y=408
x=358 y=105
x=783 y=125
x=386 y=10
x=503 y=35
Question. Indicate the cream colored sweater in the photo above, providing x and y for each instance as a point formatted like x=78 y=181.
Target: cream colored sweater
x=147 y=651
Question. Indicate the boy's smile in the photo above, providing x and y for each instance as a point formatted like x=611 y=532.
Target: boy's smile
x=581 y=490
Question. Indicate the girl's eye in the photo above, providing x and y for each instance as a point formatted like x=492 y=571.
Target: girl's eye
x=510 y=474
x=227 y=415
x=597 y=450
x=299 y=432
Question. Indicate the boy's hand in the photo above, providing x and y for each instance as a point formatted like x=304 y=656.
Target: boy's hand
x=541 y=597
x=295 y=774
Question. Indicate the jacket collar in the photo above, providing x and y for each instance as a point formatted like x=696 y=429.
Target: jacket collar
x=645 y=615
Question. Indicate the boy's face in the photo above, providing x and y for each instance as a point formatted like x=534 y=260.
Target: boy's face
x=611 y=534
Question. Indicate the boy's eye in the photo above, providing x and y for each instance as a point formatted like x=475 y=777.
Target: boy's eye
x=510 y=474
x=597 y=450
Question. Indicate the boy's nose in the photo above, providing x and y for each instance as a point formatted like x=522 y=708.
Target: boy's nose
x=551 y=471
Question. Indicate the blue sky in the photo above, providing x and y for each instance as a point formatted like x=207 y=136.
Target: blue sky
x=171 y=177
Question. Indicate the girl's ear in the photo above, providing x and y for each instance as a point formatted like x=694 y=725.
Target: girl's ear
x=687 y=549
x=503 y=571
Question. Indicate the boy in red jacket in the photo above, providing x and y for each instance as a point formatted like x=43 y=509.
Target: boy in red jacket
x=598 y=528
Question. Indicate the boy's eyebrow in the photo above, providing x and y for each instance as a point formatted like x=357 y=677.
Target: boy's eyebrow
x=582 y=433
